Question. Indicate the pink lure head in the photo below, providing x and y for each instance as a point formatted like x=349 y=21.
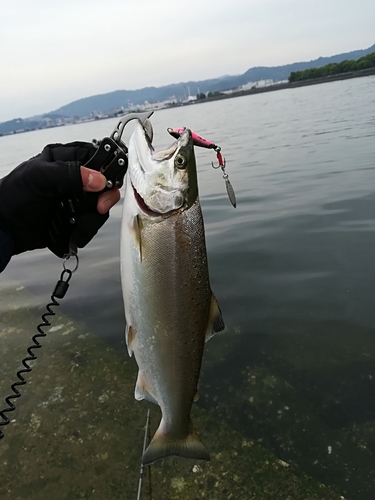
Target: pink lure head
x=197 y=139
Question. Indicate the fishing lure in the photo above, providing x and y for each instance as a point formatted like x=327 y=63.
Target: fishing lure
x=204 y=143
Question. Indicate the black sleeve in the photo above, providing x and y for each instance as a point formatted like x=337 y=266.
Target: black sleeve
x=29 y=198
x=6 y=249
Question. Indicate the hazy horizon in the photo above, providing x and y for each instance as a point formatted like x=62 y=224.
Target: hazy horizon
x=53 y=55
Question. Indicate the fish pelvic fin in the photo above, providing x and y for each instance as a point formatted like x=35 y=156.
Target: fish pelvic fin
x=163 y=446
x=129 y=337
x=142 y=391
x=215 y=319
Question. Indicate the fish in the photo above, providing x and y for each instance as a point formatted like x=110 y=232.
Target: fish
x=170 y=310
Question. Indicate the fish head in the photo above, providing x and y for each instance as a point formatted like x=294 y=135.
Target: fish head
x=162 y=181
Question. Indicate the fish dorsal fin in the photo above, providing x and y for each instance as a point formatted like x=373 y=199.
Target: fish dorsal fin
x=142 y=391
x=215 y=319
x=129 y=337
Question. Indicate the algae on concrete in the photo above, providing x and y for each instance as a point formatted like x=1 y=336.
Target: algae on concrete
x=308 y=398
x=77 y=432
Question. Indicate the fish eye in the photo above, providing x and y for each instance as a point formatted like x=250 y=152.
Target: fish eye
x=180 y=161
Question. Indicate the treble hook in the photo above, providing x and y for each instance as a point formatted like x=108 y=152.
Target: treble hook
x=220 y=159
x=204 y=143
x=222 y=164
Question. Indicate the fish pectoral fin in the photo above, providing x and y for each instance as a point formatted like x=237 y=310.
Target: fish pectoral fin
x=142 y=391
x=129 y=337
x=135 y=228
x=163 y=446
x=137 y=224
x=215 y=319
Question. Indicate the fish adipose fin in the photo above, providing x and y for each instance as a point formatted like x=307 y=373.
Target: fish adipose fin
x=142 y=391
x=215 y=319
x=129 y=337
x=162 y=446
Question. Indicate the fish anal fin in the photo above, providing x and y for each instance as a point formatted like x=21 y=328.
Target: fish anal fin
x=215 y=319
x=142 y=391
x=196 y=397
x=130 y=337
x=162 y=446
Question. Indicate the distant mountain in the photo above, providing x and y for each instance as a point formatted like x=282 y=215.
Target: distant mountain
x=104 y=103
x=18 y=125
x=118 y=98
x=278 y=73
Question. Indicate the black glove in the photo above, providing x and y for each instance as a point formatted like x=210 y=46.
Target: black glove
x=42 y=203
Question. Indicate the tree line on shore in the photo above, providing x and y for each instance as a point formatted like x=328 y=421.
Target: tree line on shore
x=334 y=68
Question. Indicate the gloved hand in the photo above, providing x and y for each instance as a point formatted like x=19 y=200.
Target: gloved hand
x=37 y=198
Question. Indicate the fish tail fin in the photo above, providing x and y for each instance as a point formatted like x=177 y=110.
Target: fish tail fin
x=163 y=446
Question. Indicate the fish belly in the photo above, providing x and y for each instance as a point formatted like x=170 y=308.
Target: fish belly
x=167 y=299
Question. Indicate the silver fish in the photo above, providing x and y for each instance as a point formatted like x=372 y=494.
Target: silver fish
x=169 y=306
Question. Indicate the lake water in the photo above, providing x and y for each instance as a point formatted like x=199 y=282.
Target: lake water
x=292 y=267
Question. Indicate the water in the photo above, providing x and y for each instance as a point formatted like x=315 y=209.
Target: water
x=292 y=268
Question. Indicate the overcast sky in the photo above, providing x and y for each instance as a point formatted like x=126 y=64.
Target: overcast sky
x=53 y=52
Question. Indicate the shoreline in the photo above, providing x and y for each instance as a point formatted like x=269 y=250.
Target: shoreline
x=240 y=93
x=291 y=85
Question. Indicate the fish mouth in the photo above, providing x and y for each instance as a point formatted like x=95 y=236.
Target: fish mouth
x=166 y=154
x=142 y=204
